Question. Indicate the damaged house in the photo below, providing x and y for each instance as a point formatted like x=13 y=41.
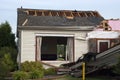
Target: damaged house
x=54 y=37
x=105 y=36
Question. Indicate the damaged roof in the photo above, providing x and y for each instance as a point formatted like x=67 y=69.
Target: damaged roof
x=36 y=17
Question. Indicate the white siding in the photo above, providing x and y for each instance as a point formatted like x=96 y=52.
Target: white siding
x=28 y=43
x=27 y=46
x=81 y=46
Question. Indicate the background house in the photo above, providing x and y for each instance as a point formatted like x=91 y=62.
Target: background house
x=105 y=36
x=54 y=36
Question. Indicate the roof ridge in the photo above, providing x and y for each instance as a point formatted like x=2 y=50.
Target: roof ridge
x=58 y=10
x=57 y=17
x=65 y=13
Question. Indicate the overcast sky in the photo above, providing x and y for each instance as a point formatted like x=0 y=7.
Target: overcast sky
x=107 y=8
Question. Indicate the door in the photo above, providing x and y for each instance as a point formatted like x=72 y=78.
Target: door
x=103 y=46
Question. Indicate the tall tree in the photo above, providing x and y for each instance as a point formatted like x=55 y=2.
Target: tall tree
x=7 y=38
x=8 y=52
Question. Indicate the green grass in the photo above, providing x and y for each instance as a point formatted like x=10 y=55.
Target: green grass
x=90 y=78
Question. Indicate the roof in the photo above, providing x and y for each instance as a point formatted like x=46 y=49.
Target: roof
x=114 y=24
x=36 y=17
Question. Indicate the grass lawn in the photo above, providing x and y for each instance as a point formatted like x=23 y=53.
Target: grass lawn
x=73 y=78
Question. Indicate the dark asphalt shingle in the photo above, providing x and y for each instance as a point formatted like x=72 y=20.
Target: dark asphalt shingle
x=56 y=20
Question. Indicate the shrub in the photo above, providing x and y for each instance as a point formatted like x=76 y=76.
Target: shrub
x=35 y=69
x=6 y=60
x=6 y=65
x=25 y=66
x=9 y=50
x=50 y=71
x=35 y=74
x=20 y=75
x=31 y=66
x=10 y=54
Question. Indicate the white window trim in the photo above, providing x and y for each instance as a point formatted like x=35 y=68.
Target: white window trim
x=55 y=35
x=98 y=46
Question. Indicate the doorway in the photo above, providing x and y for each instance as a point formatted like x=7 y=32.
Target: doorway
x=103 y=45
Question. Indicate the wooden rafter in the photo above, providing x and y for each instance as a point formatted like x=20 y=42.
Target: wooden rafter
x=35 y=13
x=57 y=14
x=50 y=13
x=78 y=13
x=62 y=13
x=43 y=13
x=26 y=20
x=72 y=14
x=85 y=14
x=92 y=14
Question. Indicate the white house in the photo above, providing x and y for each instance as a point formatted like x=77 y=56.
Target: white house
x=53 y=37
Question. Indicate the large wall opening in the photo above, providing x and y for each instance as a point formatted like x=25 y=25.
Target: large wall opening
x=55 y=48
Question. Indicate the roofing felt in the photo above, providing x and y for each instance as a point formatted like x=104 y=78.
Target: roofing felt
x=35 y=17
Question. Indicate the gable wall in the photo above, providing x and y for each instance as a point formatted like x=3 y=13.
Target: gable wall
x=28 y=43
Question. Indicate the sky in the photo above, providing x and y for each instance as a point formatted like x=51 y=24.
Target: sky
x=107 y=8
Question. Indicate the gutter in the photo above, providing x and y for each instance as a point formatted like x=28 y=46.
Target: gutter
x=67 y=28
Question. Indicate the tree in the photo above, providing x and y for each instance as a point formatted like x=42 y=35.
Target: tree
x=7 y=38
x=7 y=41
x=6 y=65
x=8 y=49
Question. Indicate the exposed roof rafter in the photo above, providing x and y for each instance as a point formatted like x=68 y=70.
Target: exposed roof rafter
x=63 y=13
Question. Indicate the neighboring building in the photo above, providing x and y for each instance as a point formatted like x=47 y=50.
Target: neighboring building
x=105 y=36
x=54 y=36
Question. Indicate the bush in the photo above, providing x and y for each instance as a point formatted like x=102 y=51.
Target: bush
x=9 y=50
x=36 y=74
x=6 y=65
x=20 y=75
x=50 y=71
x=25 y=67
x=6 y=60
x=11 y=53
x=35 y=69
x=31 y=66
